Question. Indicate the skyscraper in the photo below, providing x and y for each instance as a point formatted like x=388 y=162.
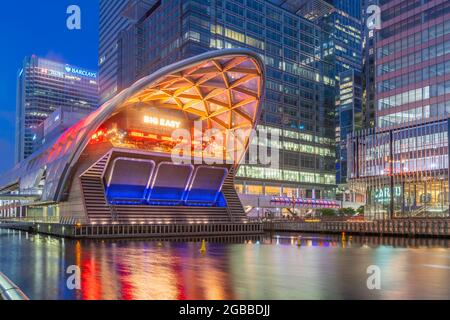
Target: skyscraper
x=402 y=166
x=350 y=116
x=112 y=22
x=300 y=83
x=369 y=41
x=44 y=86
x=342 y=47
x=350 y=7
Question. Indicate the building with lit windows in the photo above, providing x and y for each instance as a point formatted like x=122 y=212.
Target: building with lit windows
x=368 y=73
x=402 y=165
x=350 y=115
x=163 y=151
x=43 y=87
x=299 y=104
x=112 y=18
x=351 y=8
x=342 y=48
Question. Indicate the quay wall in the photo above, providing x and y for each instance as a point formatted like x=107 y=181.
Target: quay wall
x=108 y=231
x=400 y=227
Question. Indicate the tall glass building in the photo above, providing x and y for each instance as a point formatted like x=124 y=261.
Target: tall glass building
x=343 y=49
x=112 y=22
x=44 y=86
x=350 y=7
x=299 y=104
x=350 y=116
x=402 y=166
x=369 y=40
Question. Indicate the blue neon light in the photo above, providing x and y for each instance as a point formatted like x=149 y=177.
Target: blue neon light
x=167 y=194
x=162 y=196
x=117 y=191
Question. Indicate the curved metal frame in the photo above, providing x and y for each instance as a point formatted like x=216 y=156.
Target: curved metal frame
x=155 y=175
x=152 y=171
x=191 y=183
x=81 y=133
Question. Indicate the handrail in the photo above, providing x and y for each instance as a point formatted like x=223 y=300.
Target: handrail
x=9 y=291
x=125 y=221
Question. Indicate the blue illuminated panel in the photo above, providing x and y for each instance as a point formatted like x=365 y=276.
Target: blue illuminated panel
x=206 y=185
x=170 y=183
x=119 y=193
x=129 y=180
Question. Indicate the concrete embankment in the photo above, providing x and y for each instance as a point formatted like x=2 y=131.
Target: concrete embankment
x=107 y=231
x=400 y=227
x=9 y=291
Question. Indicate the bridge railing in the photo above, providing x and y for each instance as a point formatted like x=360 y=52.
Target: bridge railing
x=9 y=291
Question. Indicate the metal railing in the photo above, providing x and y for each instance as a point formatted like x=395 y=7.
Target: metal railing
x=408 y=227
x=124 y=221
x=9 y=291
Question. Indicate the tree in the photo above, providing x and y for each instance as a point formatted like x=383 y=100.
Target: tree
x=327 y=212
x=360 y=210
x=347 y=212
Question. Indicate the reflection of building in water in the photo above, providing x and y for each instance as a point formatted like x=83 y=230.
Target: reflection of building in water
x=159 y=272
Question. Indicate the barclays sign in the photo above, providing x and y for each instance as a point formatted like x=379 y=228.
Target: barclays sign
x=81 y=72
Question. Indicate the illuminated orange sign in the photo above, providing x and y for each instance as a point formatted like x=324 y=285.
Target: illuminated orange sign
x=162 y=122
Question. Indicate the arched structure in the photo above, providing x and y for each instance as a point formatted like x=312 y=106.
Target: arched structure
x=119 y=159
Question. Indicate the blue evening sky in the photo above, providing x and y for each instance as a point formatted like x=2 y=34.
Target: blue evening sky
x=39 y=27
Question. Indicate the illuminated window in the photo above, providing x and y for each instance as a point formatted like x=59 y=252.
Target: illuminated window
x=273 y=191
x=254 y=189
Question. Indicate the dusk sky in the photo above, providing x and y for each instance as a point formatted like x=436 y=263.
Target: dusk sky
x=39 y=27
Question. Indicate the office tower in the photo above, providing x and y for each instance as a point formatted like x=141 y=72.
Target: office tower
x=299 y=102
x=350 y=117
x=342 y=47
x=44 y=86
x=351 y=8
x=369 y=40
x=402 y=166
x=112 y=22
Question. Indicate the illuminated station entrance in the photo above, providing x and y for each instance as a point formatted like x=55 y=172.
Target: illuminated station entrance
x=164 y=150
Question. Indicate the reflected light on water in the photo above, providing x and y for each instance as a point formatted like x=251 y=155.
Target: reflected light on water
x=285 y=266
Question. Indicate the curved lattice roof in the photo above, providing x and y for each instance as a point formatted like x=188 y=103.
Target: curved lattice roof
x=224 y=91
x=223 y=88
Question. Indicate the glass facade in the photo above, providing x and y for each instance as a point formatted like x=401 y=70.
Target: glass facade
x=403 y=172
x=350 y=116
x=413 y=66
x=43 y=87
x=351 y=7
x=402 y=165
x=112 y=22
x=342 y=48
x=300 y=88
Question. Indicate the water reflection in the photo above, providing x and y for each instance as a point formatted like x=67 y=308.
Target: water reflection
x=278 y=266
